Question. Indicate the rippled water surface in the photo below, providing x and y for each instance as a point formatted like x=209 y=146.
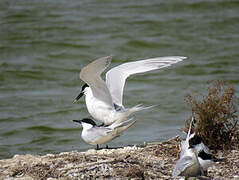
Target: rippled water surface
x=44 y=45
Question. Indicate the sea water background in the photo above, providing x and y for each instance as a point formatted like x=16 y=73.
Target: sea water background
x=44 y=44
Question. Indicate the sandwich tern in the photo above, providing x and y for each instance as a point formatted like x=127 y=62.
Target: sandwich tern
x=96 y=135
x=205 y=156
x=104 y=98
x=188 y=165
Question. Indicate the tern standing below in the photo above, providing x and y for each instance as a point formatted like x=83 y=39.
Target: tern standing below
x=96 y=135
x=104 y=98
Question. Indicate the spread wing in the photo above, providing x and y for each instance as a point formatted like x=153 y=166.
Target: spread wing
x=91 y=75
x=116 y=77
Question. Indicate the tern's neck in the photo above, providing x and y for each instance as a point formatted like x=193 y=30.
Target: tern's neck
x=88 y=92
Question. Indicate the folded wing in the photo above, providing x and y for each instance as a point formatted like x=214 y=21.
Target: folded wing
x=182 y=164
x=119 y=128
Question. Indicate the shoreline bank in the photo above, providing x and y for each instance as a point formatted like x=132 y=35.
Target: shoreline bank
x=154 y=160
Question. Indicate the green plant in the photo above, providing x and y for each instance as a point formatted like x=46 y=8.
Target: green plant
x=215 y=114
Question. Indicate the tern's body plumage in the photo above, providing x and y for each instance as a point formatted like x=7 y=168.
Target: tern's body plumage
x=104 y=112
x=96 y=135
x=203 y=155
x=188 y=165
x=104 y=98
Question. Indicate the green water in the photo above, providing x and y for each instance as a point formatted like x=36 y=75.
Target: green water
x=44 y=44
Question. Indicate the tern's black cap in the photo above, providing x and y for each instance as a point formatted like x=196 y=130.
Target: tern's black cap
x=86 y=120
x=195 y=140
x=84 y=86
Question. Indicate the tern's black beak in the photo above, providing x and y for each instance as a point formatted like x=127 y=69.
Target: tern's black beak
x=78 y=121
x=78 y=97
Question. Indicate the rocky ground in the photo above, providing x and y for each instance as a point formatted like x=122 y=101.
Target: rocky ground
x=152 y=161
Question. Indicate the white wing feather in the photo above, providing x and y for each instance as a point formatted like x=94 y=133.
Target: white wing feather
x=115 y=77
x=182 y=164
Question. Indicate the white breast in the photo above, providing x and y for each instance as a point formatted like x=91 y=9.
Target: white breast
x=98 y=109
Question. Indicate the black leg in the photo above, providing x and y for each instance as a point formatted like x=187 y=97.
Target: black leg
x=107 y=147
x=97 y=147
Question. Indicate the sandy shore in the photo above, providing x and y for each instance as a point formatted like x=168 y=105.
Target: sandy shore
x=152 y=161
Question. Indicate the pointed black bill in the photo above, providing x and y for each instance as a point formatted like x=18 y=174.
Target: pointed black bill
x=78 y=121
x=78 y=97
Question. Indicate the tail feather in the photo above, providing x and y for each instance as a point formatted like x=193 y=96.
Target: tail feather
x=129 y=111
x=138 y=107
